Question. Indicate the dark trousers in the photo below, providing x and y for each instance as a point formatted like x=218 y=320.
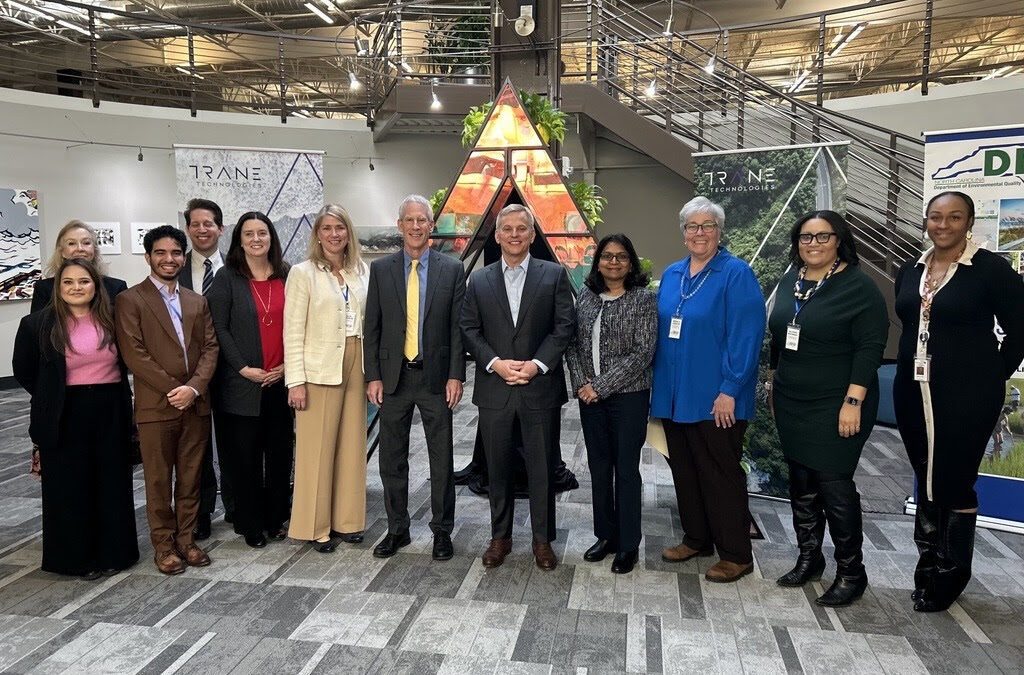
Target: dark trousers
x=88 y=509
x=614 y=430
x=395 y=423
x=711 y=488
x=208 y=478
x=261 y=456
x=172 y=461
x=537 y=427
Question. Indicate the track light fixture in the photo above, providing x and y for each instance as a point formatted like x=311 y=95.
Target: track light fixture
x=435 y=102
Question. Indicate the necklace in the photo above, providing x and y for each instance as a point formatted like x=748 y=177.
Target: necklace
x=801 y=293
x=932 y=284
x=266 y=319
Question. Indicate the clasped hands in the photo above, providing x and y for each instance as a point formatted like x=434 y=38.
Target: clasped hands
x=182 y=397
x=264 y=378
x=515 y=372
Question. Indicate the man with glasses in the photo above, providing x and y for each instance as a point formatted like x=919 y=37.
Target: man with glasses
x=413 y=358
x=516 y=323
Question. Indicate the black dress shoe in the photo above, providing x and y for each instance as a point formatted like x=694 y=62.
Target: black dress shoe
x=349 y=537
x=109 y=572
x=92 y=575
x=328 y=546
x=202 y=529
x=598 y=551
x=443 y=549
x=278 y=533
x=256 y=540
x=390 y=544
x=624 y=561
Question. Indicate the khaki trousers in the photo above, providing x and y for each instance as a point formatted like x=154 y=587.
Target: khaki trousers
x=330 y=455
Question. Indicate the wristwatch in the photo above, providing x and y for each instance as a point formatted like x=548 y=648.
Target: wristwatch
x=852 y=401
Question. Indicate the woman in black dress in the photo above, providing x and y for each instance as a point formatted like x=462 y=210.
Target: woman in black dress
x=828 y=326
x=75 y=240
x=66 y=357
x=949 y=386
x=609 y=359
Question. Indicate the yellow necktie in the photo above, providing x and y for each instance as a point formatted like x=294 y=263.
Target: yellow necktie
x=412 y=313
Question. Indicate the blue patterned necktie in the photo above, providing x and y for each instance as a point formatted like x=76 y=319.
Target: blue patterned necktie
x=207 y=275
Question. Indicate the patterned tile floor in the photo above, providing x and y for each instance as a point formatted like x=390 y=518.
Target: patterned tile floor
x=288 y=609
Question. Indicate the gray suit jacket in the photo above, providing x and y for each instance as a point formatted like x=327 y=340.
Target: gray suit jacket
x=384 y=324
x=235 y=320
x=542 y=331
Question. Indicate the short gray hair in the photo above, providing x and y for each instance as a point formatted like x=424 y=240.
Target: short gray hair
x=416 y=199
x=515 y=208
x=702 y=205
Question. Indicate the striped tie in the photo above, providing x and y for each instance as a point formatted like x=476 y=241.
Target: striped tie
x=207 y=275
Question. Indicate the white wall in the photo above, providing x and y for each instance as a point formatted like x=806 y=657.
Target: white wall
x=61 y=156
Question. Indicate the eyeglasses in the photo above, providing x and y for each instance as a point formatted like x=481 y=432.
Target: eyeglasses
x=702 y=227
x=615 y=257
x=820 y=237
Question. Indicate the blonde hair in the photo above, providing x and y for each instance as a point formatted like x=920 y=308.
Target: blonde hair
x=56 y=260
x=353 y=261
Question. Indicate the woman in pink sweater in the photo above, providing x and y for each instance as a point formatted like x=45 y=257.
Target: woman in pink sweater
x=66 y=357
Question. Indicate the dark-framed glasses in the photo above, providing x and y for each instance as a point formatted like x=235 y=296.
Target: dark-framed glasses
x=820 y=237
x=615 y=257
x=693 y=228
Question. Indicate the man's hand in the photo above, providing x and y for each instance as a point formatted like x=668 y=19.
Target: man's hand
x=453 y=393
x=181 y=397
x=297 y=397
x=508 y=370
x=528 y=371
x=375 y=391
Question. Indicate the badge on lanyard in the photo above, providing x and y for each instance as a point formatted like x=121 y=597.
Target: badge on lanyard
x=923 y=368
x=350 y=322
x=792 y=337
x=675 y=328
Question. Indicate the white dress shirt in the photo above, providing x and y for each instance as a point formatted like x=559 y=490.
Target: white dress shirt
x=199 y=269
x=514 y=284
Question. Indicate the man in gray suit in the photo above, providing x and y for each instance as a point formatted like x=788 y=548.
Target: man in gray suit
x=413 y=357
x=516 y=322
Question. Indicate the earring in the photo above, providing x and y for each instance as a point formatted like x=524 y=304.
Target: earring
x=970 y=235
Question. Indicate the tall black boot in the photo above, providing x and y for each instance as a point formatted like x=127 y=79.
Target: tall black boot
x=926 y=536
x=956 y=551
x=842 y=509
x=809 y=524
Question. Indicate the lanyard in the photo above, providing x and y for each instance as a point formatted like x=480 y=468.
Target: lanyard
x=344 y=293
x=802 y=296
x=683 y=295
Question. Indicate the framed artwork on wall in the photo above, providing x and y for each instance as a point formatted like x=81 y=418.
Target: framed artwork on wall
x=138 y=232
x=108 y=237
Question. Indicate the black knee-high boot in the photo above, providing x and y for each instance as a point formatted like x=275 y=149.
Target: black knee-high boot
x=842 y=509
x=955 y=554
x=809 y=524
x=926 y=536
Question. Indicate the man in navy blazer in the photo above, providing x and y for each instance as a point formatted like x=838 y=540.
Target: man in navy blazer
x=517 y=319
x=413 y=358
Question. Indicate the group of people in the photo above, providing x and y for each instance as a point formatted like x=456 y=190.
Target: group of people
x=263 y=344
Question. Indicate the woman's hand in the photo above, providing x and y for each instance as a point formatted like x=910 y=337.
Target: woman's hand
x=587 y=394
x=724 y=411
x=274 y=375
x=257 y=375
x=849 y=420
x=297 y=397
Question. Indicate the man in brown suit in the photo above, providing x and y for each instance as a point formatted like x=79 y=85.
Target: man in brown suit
x=166 y=338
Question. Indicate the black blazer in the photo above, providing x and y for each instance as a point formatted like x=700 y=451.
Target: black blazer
x=542 y=331
x=238 y=332
x=384 y=321
x=42 y=292
x=42 y=372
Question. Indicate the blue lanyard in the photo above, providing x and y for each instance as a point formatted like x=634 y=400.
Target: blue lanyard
x=683 y=279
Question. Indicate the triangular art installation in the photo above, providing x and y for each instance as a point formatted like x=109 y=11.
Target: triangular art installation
x=510 y=163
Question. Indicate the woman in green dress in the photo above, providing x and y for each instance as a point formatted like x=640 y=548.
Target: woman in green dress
x=828 y=331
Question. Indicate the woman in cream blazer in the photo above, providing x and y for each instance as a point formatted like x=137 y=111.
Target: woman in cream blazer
x=323 y=359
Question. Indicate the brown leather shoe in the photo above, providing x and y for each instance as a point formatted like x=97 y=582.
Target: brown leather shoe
x=682 y=553
x=496 y=552
x=724 y=572
x=169 y=563
x=196 y=557
x=545 y=557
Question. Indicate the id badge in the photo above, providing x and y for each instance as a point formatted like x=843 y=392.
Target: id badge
x=792 y=337
x=922 y=368
x=675 y=329
x=350 y=322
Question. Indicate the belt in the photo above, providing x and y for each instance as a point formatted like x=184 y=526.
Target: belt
x=412 y=365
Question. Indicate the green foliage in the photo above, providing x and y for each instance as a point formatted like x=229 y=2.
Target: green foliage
x=590 y=201
x=1010 y=463
x=1016 y=423
x=647 y=267
x=437 y=199
x=457 y=45
x=549 y=120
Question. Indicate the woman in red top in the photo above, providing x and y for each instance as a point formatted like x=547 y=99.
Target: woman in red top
x=65 y=356
x=247 y=304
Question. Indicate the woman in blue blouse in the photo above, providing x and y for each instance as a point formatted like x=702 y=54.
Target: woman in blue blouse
x=711 y=323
